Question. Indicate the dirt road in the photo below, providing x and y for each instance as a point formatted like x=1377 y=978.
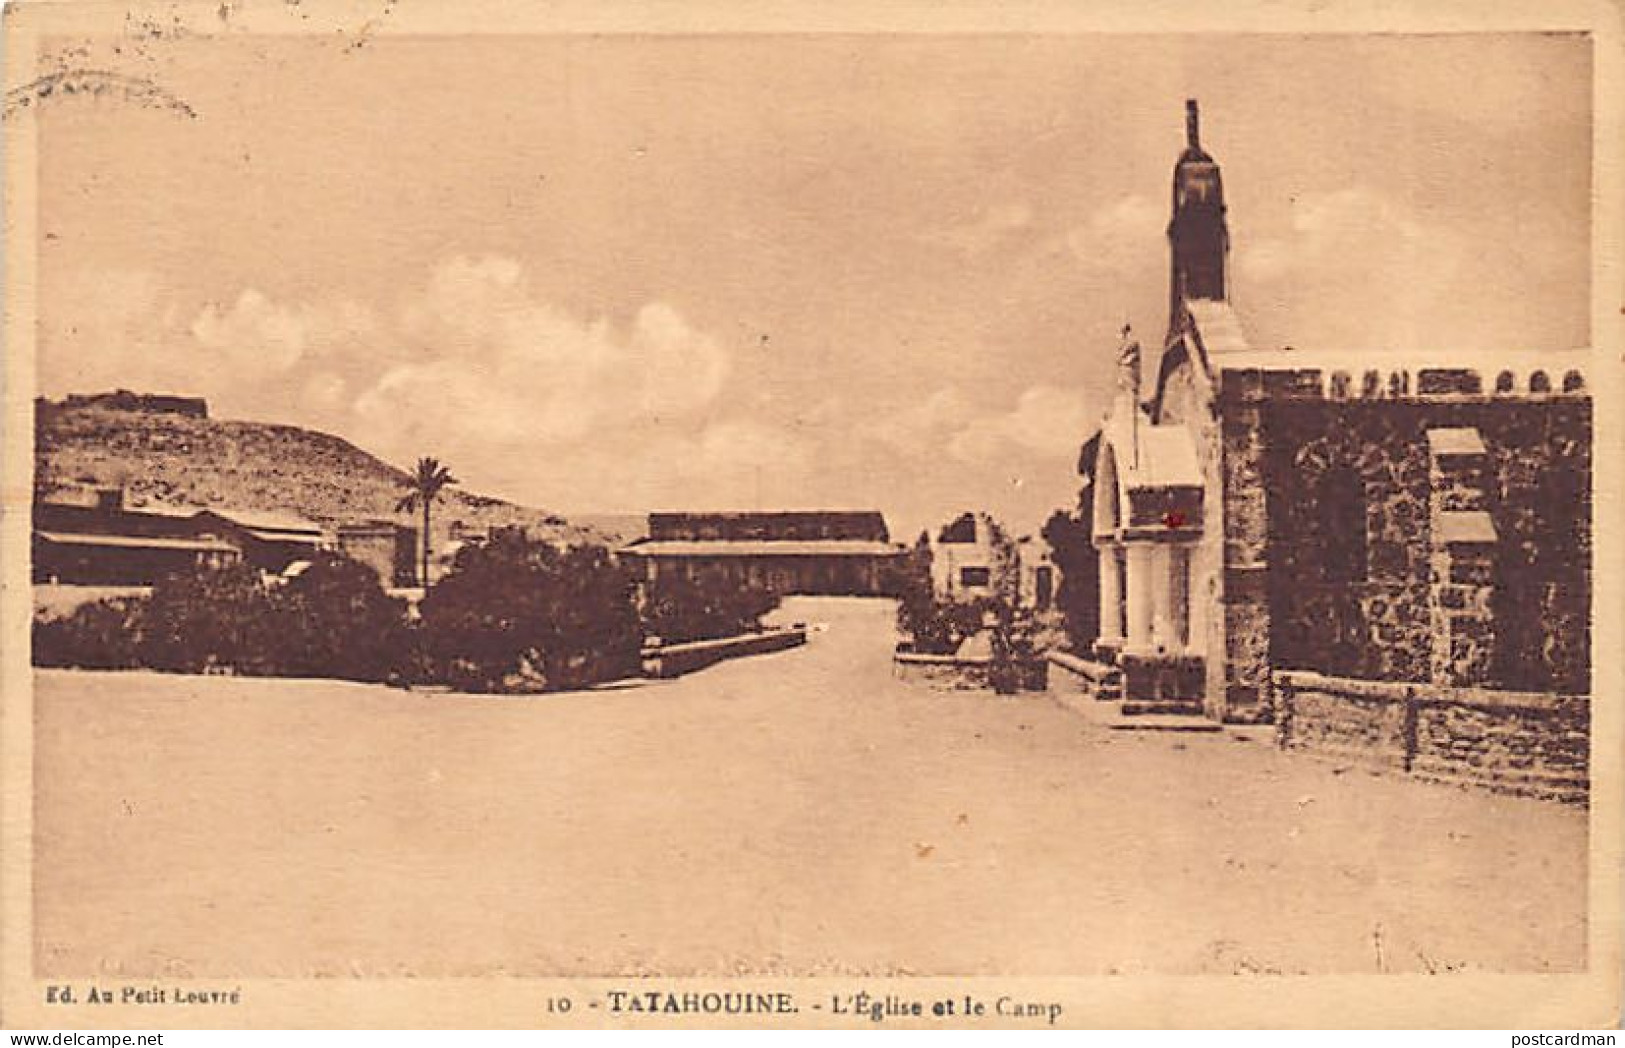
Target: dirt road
x=797 y=813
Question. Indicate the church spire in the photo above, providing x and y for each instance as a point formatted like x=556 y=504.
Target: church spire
x=1198 y=238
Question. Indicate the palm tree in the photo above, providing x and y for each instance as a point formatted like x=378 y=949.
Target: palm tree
x=427 y=482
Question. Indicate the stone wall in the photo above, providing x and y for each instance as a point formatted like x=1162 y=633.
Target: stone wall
x=675 y=660
x=1533 y=744
x=1074 y=680
x=125 y=400
x=1245 y=618
x=1333 y=469
x=965 y=672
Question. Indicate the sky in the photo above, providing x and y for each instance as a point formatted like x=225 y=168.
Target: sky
x=632 y=273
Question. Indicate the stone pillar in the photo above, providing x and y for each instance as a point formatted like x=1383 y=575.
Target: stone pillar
x=1461 y=563
x=1463 y=574
x=1199 y=598
x=1141 y=596
x=1179 y=598
x=1162 y=615
x=1239 y=652
x=1111 y=596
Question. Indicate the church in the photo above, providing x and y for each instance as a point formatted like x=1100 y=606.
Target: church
x=1374 y=515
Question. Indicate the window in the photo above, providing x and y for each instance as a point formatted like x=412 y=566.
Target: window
x=969 y=577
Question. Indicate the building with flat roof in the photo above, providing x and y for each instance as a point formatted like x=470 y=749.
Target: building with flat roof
x=801 y=552
x=92 y=539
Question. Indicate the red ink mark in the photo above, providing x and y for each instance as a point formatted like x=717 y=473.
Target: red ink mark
x=1173 y=519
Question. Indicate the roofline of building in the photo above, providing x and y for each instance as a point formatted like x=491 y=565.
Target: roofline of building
x=135 y=542
x=762 y=548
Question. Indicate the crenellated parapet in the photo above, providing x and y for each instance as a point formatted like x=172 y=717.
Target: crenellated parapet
x=1286 y=374
x=1396 y=515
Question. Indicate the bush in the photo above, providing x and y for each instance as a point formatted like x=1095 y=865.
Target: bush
x=936 y=624
x=211 y=619
x=97 y=636
x=682 y=610
x=1077 y=597
x=337 y=621
x=518 y=614
x=1014 y=650
x=939 y=625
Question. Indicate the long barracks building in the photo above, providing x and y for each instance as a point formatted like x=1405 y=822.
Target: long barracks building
x=805 y=552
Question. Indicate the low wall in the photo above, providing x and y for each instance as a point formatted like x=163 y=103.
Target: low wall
x=1527 y=743
x=1074 y=679
x=675 y=660
x=965 y=673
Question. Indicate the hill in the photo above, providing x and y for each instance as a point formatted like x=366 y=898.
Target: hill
x=180 y=459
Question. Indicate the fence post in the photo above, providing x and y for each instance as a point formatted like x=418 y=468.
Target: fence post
x=1282 y=687
x=1409 y=731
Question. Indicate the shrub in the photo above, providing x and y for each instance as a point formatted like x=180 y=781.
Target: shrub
x=337 y=621
x=679 y=610
x=97 y=636
x=333 y=620
x=516 y=613
x=939 y=625
x=213 y=618
x=1014 y=650
x=1075 y=556
x=912 y=585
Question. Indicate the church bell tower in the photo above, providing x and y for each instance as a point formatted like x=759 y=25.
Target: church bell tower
x=1198 y=240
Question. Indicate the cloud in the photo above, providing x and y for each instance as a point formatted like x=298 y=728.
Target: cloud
x=1354 y=225
x=1047 y=422
x=494 y=359
x=528 y=399
x=925 y=425
x=987 y=230
x=475 y=359
x=1314 y=280
x=1121 y=236
x=254 y=332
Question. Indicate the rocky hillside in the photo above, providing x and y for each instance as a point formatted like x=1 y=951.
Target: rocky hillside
x=181 y=460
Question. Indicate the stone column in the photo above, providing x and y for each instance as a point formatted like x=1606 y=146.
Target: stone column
x=1462 y=587
x=1141 y=596
x=1199 y=597
x=1162 y=621
x=1111 y=596
x=1179 y=598
x=1462 y=561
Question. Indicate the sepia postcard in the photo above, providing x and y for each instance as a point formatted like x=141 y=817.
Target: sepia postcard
x=916 y=515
